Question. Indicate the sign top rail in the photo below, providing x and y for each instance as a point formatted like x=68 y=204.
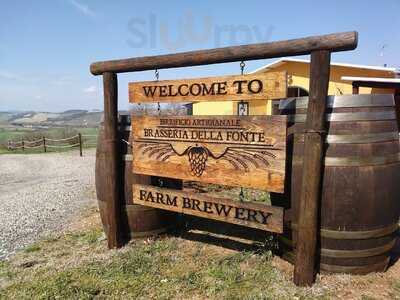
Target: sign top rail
x=332 y=42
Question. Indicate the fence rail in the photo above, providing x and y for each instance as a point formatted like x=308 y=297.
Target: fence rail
x=46 y=144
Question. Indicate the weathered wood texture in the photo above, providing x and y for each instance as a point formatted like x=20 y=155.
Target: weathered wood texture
x=243 y=151
x=359 y=203
x=136 y=220
x=312 y=166
x=80 y=144
x=332 y=42
x=254 y=215
x=261 y=86
x=110 y=87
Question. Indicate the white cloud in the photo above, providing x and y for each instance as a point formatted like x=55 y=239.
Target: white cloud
x=38 y=97
x=66 y=80
x=82 y=8
x=90 y=90
x=9 y=76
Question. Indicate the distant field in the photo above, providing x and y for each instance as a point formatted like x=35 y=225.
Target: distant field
x=17 y=134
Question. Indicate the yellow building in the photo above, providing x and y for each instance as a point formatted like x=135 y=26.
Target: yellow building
x=298 y=84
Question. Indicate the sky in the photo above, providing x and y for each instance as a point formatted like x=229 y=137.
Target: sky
x=47 y=46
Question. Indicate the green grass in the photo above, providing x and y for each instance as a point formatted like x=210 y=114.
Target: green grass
x=32 y=248
x=78 y=266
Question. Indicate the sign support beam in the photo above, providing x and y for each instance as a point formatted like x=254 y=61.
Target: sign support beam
x=306 y=245
x=110 y=86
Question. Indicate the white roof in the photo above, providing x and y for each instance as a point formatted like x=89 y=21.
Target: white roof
x=371 y=79
x=289 y=59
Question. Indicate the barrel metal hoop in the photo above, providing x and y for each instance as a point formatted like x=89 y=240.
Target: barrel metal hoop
x=355 y=269
x=348 y=117
x=355 y=253
x=361 y=161
x=359 y=235
x=358 y=253
x=356 y=138
x=127 y=157
x=289 y=256
x=354 y=161
x=373 y=100
x=362 y=138
x=356 y=235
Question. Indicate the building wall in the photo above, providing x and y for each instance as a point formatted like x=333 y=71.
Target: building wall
x=298 y=75
x=214 y=108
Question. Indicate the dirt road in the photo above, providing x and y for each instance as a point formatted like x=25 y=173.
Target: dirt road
x=40 y=193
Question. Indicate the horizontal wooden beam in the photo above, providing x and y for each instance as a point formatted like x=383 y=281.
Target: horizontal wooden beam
x=332 y=42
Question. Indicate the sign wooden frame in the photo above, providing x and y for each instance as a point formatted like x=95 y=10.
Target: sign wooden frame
x=320 y=48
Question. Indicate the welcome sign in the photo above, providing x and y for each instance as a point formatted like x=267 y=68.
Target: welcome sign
x=246 y=151
x=261 y=86
x=255 y=215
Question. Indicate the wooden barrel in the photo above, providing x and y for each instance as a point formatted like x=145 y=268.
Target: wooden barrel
x=361 y=182
x=137 y=221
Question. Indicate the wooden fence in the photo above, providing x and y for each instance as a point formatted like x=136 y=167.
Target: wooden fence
x=47 y=144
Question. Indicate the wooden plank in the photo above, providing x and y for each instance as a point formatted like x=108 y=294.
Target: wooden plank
x=312 y=169
x=246 y=151
x=254 y=215
x=333 y=42
x=261 y=86
x=112 y=195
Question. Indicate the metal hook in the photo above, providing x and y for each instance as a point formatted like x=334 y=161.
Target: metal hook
x=242 y=65
x=241 y=195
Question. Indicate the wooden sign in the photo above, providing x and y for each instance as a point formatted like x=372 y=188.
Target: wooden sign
x=246 y=151
x=262 y=86
x=250 y=214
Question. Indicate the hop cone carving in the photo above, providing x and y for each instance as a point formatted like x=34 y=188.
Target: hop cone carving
x=197 y=159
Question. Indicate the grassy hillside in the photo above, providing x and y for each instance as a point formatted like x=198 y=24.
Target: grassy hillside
x=78 y=265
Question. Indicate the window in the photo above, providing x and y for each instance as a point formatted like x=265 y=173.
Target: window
x=243 y=108
x=296 y=91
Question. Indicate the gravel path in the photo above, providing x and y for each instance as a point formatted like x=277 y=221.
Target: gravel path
x=41 y=193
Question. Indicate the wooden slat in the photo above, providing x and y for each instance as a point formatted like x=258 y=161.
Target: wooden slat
x=262 y=86
x=254 y=215
x=333 y=42
x=304 y=270
x=246 y=151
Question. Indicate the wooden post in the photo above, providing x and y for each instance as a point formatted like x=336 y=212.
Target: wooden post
x=304 y=270
x=80 y=144
x=23 y=145
x=110 y=86
x=44 y=145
